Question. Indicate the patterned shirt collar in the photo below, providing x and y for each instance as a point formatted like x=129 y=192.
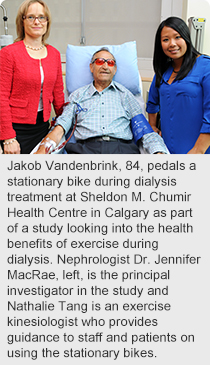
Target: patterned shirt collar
x=113 y=84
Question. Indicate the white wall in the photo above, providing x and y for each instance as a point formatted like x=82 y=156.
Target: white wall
x=105 y=22
x=171 y=8
x=66 y=25
x=200 y=9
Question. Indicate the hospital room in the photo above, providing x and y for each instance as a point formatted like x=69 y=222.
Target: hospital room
x=159 y=50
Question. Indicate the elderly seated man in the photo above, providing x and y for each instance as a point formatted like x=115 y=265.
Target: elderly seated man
x=107 y=116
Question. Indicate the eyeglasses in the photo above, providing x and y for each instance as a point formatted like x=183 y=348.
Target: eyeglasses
x=101 y=61
x=32 y=18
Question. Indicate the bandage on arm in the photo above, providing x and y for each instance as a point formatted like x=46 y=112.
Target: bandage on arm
x=52 y=139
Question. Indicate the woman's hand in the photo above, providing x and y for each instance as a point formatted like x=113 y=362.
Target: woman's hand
x=194 y=151
x=201 y=145
x=11 y=147
x=153 y=123
x=155 y=129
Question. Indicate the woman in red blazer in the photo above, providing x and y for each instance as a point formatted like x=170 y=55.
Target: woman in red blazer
x=30 y=80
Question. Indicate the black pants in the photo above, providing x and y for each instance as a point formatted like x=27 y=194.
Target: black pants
x=92 y=146
x=29 y=135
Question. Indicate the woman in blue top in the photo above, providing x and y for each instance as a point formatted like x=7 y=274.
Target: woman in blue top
x=180 y=90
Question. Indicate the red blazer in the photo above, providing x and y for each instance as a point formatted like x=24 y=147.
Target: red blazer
x=20 y=86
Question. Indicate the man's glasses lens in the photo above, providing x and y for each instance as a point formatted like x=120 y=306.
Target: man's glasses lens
x=101 y=61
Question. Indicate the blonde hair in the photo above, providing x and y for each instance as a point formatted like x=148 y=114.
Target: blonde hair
x=22 y=11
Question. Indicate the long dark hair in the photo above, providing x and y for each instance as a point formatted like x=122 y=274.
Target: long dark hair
x=161 y=61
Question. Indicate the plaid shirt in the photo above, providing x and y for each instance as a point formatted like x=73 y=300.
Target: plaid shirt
x=105 y=113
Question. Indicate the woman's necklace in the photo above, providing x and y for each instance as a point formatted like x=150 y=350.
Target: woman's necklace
x=177 y=66
x=33 y=48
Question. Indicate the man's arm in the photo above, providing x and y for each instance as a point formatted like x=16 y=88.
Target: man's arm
x=146 y=139
x=152 y=143
x=51 y=140
x=62 y=126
